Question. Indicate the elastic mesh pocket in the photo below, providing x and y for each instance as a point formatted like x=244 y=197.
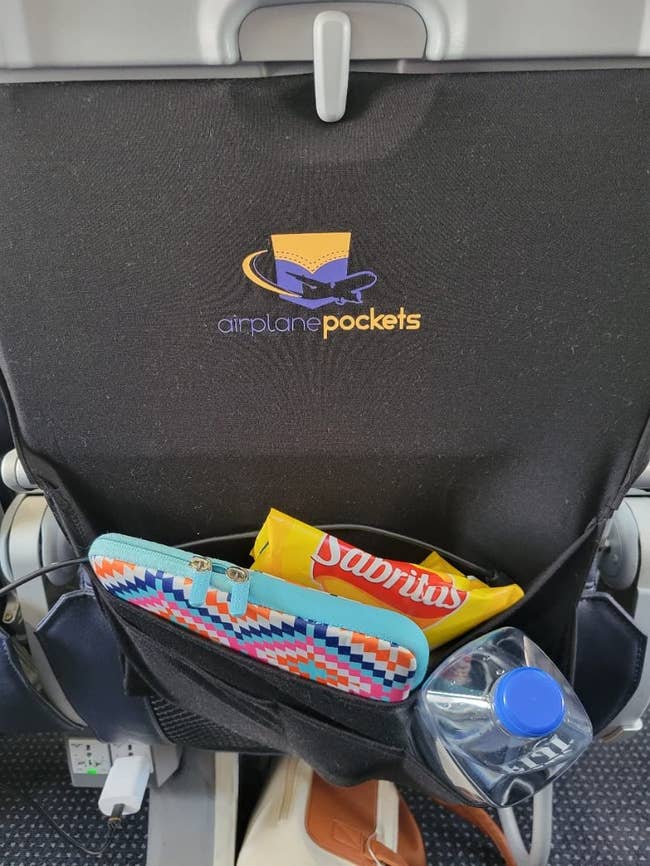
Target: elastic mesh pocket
x=188 y=729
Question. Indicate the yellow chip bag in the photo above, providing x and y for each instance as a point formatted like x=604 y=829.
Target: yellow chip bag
x=434 y=594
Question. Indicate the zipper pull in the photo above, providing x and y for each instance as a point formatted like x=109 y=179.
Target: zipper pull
x=241 y=584
x=200 y=580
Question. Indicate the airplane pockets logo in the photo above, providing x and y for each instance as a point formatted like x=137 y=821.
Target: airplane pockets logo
x=313 y=271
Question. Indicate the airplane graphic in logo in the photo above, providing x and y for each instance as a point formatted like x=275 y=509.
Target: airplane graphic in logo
x=311 y=270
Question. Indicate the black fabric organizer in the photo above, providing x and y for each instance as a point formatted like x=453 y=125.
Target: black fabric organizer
x=509 y=210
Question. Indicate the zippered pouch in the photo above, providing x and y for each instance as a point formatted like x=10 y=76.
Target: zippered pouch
x=367 y=651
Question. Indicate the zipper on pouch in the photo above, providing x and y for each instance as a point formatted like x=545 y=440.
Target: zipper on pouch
x=238 y=578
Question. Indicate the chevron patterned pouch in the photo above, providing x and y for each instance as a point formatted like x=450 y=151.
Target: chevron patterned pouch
x=367 y=651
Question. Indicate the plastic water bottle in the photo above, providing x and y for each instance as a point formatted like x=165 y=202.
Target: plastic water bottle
x=499 y=719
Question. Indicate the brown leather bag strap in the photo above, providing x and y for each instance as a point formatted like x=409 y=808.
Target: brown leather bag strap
x=383 y=855
x=480 y=819
x=343 y=820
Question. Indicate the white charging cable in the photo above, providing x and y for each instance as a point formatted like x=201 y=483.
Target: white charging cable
x=542 y=835
x=125 y=785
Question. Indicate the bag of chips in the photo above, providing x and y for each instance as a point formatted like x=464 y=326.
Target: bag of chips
x=439 y=598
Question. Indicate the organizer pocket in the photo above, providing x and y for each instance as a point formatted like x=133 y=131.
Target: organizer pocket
x=23 y=710
x=152 y=642
x=346 y=738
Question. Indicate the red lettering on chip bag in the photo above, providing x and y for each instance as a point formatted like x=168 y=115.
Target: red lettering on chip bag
x=407 y=588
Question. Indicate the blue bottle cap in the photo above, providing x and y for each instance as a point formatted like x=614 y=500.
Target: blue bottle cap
x=529 y=702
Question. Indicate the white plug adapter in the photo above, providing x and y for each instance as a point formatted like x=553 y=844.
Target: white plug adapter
x=125 y=786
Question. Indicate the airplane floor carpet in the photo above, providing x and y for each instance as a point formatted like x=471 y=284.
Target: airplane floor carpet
x=601 y=813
